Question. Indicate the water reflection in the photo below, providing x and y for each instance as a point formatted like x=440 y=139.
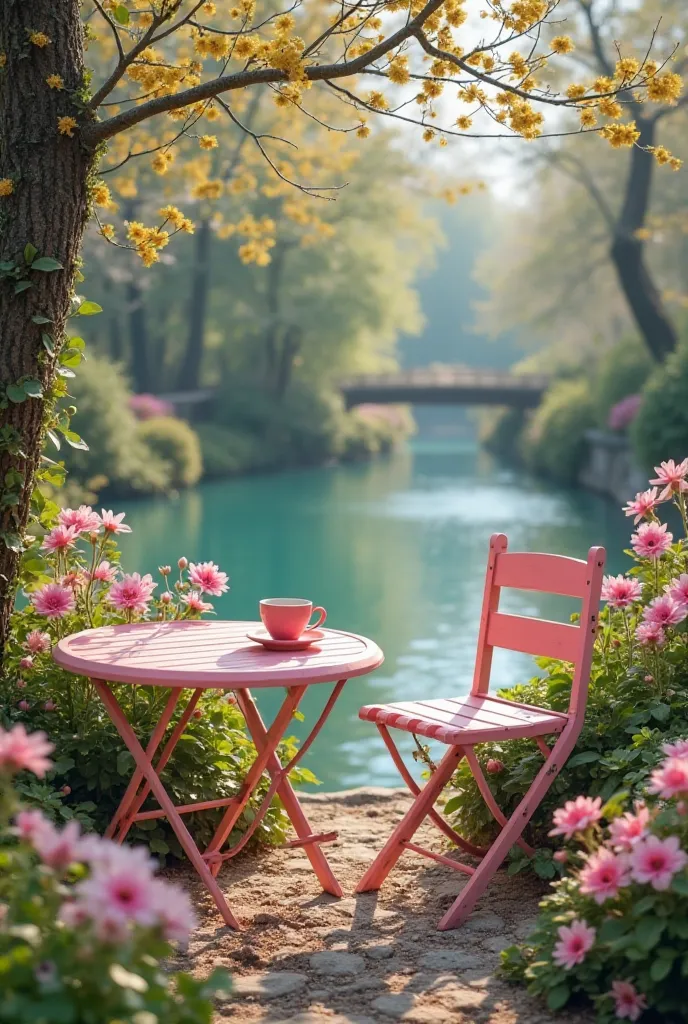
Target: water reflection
x=394 y=549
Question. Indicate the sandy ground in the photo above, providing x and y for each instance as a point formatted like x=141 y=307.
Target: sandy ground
x=308 y=958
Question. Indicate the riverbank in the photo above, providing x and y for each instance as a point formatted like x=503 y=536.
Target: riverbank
x=307 y=958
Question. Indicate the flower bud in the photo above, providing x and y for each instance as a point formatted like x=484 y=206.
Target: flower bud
x=21 y=684
x=616 y=642
x=183 y=562
x=164 y=570
x=165 y=597
x=671 y=693
x=26 y=662
x=49 y=705
x=71 y=410
x=23 y=705
x=198 y=713
x=66 y=790
x=649 y=679
x=93 y=537
x=561 y=856
x=494 y=766
x=231 y=699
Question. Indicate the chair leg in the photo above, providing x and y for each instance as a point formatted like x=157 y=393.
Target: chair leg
x=471 y=893
x=409 y=824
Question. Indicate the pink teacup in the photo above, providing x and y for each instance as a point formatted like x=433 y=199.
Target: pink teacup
x=285 y=618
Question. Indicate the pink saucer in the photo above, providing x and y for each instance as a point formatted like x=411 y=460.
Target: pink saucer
x=308 y=637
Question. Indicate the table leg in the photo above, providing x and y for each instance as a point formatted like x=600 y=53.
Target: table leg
x=154 y=742
x=285 y=791
x=148 y=772
x=272 y=738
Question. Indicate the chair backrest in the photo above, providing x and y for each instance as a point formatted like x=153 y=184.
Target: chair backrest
x=549 y=574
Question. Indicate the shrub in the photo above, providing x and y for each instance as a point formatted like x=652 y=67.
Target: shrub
x=501 y=432
x=74 y=582
x=638 y=695
x=615 y=929
x=372 y=429
x=70 y=948
x=622 y=370
x=554 y=441
x=145 y=406
x=660 y=430
x=110 y=429
x=227 y=452
x=177 y=447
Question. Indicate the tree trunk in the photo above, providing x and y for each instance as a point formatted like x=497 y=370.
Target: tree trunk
x=140 y=361
x=48 y=209
x=189 y=378
x=628 y=252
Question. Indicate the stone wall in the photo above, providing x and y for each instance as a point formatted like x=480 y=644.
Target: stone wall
x=610 y=467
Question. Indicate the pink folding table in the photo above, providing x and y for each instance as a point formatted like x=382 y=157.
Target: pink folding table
x=196 y=656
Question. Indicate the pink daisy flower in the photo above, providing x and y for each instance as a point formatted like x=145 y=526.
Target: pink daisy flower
x=678 y=588
x=82 y=519
x=21 y=751
x=656 y=861
x=576 y=815
x=173 y=910
x=650 y=634
x=133 y=592
x=37 y=642
x=677 y=749
x=208 y=578
x=53 y=600
x=628 y=1002
x=672 y=477
x=58 y=848
x=624 y=832
x=59 y=538
x=604 y=874
x=575 y=941
x=195 y=603
x=665 y=611
x=620 y=591
x=29 y=823
x=670 y=779
x=651 y=540
x=120 y=888
x=112 y=523
x=104 y=572
x=644 y=502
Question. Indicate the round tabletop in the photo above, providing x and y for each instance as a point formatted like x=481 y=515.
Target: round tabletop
x=210 y=654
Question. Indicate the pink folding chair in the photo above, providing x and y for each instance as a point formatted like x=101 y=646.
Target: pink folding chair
x=464 y=722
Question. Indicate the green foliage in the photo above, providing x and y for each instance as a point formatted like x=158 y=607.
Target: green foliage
x=622 y=370
x=554 y=443
x=372 y=430
x=660 y=430
x=640 y=932
x=177 y=446
x=227 y=452
x=115 y=447
x=501 y=432
x=55 y=968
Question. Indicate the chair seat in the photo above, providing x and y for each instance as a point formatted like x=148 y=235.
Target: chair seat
x=466 y=720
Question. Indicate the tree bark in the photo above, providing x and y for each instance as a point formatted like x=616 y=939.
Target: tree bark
x=628 y=251
x=48 y=208
x=189 y=378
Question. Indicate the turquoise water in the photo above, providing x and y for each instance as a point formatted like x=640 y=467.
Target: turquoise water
x=394 y=549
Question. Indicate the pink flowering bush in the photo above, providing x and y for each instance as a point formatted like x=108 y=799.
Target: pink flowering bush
x=638 y=696
x=615 y=928
x=73 y=580
x=84 y=922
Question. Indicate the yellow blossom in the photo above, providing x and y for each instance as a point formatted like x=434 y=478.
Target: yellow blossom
x=642 y=234
x=610 y=107
x=126 y=187
x=675 y=163
x=39 y=39
x=3 y=59
x=576 y=92
x=665 y=88
x=55 y=81
x=603 y=84
x=209 y=8
x=212 y=114
x=363 y=131
x=562 y=44
x=208 y=142
x=108 y=231
x=148 y=254
x=171 y=214
x=464 y=123
x=618 y=135
x=398 y=71
x=136 y=231
x=587 y=118
x=6 y=186
x=101 y=194
x=66 y=125
x=626 y=69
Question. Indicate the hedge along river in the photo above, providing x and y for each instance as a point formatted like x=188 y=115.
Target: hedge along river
x=395 y=549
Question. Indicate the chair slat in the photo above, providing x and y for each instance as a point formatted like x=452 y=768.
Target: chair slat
x=550 y=574
x=539 y=637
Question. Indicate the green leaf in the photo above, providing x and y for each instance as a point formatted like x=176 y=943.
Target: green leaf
x=29 y=252
x=12 y=540
x=660 y=968
x=680 y=885
x=64 y=371
x=77 y=342
x=21 y=286
x=46 y=264
x=15 y=393
x=54 y=438
x=74 y=441
x=41 y=320
x=33 y=388
x=558 y=997
x=48 y=343
x=612 y=929
x=660 y=712
x=648 y=932
x=121 y=14
x=125 y=762
x=585 y=757
x=89 y=308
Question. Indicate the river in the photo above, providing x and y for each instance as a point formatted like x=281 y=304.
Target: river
x=394 y=549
